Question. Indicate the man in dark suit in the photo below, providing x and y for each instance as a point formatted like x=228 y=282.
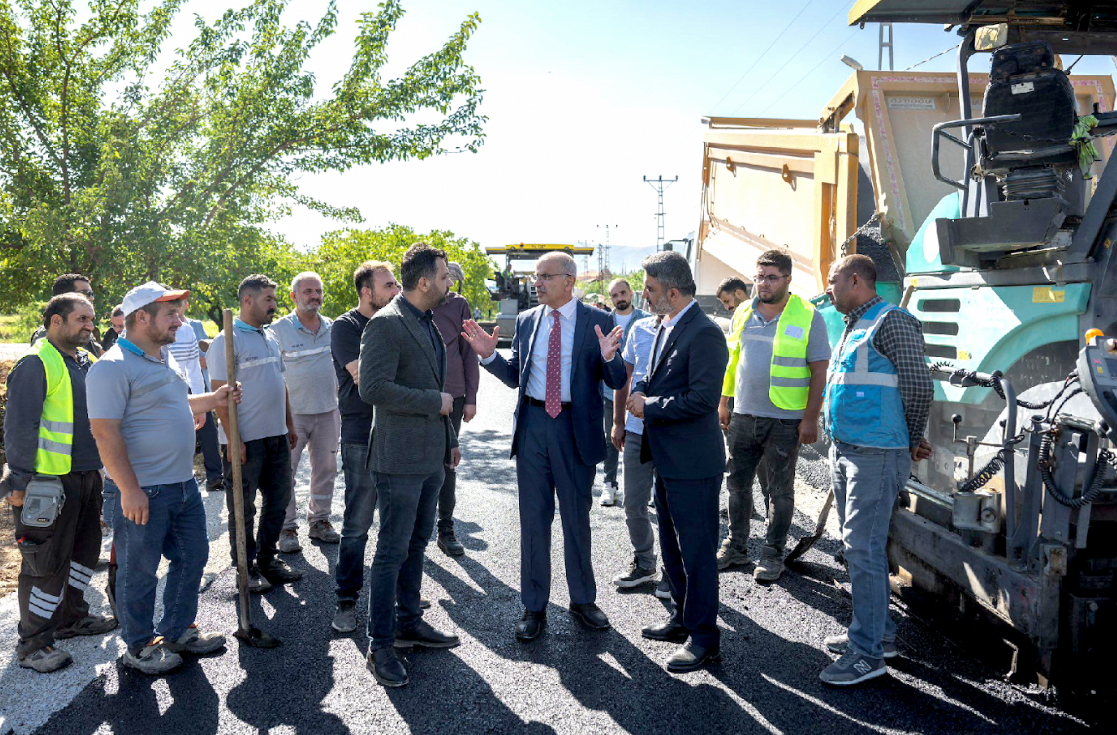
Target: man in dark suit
x=557 y=364
x=403 y=375
x=678 y=400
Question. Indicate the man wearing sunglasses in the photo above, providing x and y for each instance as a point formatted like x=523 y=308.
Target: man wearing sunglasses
x=74 y=283
x=778 y=355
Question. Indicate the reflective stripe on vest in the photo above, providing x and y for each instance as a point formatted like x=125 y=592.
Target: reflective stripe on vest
x=56 y=425
x=789 y=376
x=863 y=402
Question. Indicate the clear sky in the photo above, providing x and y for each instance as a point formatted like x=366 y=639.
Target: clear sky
x=584 y=99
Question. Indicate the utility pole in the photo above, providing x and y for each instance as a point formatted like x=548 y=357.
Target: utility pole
x=659 y=185
x=603 y=252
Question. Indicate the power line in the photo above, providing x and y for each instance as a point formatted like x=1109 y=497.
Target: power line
x=821 y=61
x=761 y=56
x=841 y=9
x=929 y=58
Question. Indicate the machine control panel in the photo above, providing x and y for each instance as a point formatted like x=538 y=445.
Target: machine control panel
x=1097 y=371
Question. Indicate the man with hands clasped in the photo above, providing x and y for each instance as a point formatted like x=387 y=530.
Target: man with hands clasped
x=678 y=400
x=557 y=364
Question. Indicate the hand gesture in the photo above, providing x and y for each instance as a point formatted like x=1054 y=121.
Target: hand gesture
x=221 y=395
x=618 y=436
x=483 y=343
x=609 y=342
x=808 y=431
x=922 y=451
x=134 y=506
x=635 y=405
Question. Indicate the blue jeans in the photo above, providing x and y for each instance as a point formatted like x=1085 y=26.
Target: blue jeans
x=408 y=504
x=360 y=509
x=866 y=482
x=176 y=528
x=110 y=504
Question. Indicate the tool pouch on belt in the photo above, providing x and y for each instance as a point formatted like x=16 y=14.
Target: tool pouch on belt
x=42 y=501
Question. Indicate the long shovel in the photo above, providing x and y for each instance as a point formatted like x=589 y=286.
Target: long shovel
x=807 y=542
x=246 y=632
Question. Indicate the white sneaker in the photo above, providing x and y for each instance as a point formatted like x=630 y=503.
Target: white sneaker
x=609 y=494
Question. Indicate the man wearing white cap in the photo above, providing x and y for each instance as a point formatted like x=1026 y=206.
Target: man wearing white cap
x=142 y=417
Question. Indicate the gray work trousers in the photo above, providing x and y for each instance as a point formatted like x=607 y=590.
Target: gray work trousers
x=639 y=479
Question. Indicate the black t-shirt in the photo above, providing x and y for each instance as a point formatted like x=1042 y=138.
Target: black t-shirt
x=345 y=345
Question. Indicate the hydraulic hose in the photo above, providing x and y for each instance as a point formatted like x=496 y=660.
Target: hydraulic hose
x=1106 y=461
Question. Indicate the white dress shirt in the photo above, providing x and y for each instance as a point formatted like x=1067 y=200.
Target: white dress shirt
x=537 y=375
x=665 y=329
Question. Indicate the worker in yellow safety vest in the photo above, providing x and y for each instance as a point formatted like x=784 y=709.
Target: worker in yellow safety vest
x=778 y=354
x=54 y=479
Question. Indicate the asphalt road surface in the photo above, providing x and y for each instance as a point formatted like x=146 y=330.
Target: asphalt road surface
x=570 y=681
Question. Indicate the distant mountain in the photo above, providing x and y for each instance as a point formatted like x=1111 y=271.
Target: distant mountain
x=621 y=259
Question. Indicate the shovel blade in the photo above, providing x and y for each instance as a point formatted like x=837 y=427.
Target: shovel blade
x=257 y=638
x=807 y=542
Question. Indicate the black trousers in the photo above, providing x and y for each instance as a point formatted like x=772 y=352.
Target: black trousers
x=267 y=469
x=688 y=538
x=447 y=496
x=58 y=562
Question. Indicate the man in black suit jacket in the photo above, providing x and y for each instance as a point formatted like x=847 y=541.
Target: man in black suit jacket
x=561 y=352
x=403 y=375
x=678 y=400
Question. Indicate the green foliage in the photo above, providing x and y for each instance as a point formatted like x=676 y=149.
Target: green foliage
x=19 y=326
x=635 y=279
x=102 y=174
x=341 y=252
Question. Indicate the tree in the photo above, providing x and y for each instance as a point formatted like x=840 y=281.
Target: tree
x=103 y=175
x=341 y=252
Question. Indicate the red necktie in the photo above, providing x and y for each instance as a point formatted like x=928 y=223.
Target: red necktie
x=554 y=368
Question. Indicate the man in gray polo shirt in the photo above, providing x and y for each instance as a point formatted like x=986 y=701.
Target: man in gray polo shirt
x=304 y=342
x=267 y=430
x=143 y=420
x=776 y=374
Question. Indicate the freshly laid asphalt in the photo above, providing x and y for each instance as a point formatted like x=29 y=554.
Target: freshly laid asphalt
x=571 y=680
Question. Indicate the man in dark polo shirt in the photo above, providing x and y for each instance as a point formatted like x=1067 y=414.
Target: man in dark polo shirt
x=376 y=286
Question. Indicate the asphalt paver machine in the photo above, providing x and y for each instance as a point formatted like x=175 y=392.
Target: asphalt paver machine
x=987 y=198
x=1013 y=278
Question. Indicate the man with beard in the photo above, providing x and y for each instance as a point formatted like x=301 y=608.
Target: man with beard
x=267 y=431
x=143 y=419
x=777 y=370
x=74 y=283
x=304 y=341
x=50 y=447
x=376 y=286
x=561 y=352
x=403 y=375
x=678 y=400
x=624 y=316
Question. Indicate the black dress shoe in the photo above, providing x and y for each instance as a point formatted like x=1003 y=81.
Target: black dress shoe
x=423 y=634
x=280 y=572
x=590 y=615
x=449 y=544
x=386 y=667
x=672 y=631
x=530 y=625
x=692 y=657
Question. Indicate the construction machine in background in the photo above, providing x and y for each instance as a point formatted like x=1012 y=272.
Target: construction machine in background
x=987 y=194
x=514 y=288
